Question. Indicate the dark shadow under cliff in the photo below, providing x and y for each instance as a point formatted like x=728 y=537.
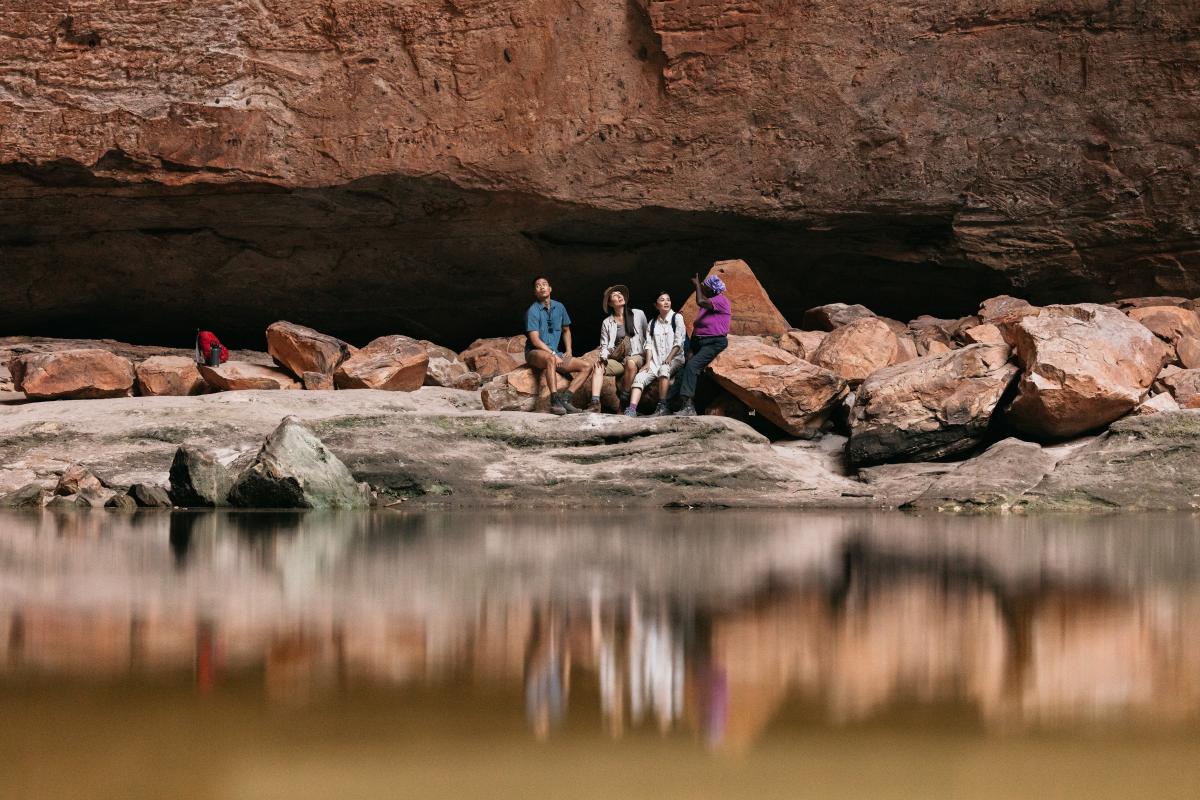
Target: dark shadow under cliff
x=84 y=256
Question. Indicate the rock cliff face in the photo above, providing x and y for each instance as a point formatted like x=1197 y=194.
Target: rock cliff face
x=385 y=161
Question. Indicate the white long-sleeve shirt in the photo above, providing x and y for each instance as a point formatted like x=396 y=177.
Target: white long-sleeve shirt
x=668 y=334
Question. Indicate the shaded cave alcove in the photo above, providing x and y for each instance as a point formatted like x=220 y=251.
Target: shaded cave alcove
x=89 y=257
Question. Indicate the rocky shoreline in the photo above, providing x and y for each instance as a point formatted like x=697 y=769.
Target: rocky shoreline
x=438 y=448
x=1016 y=407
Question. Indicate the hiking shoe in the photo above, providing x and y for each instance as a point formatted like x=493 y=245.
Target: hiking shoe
x=593 y=407
x=631 y=411
x=556 y=407
x=564 y=400
x=688 y=410
x=660 y=411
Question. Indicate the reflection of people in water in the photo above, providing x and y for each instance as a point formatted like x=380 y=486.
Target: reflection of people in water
x=547 y=674
x=656 y=665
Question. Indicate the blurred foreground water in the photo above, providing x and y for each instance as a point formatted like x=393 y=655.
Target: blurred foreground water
x=657 y=655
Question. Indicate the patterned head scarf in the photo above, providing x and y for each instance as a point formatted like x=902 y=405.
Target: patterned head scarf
x=715 y=283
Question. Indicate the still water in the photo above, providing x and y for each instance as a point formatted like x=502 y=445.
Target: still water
x=624 y=655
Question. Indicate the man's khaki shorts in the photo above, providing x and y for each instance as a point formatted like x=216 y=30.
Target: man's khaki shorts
x=615 y=368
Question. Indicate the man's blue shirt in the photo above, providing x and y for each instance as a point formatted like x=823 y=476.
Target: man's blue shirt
x=548 y=322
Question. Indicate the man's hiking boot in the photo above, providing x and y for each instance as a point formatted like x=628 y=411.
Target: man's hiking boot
x=593 y=407
x=564 y=402
x=687 y=410
x=660 y=411
x=556 y=408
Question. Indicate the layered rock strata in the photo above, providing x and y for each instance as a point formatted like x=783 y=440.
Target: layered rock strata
x=216 y=161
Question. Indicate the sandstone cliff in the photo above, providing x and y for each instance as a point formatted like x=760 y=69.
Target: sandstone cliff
x=176 y=160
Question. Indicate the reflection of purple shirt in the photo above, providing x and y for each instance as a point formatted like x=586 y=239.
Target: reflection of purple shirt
x=715 y=322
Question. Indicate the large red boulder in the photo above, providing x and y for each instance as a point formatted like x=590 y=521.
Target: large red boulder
x=299 y=349
x=492 y=357
x=832 y=316
x=856 y=350
x=445 y=368
x=753 y=312
x=795 y=395
x=392 y=363
x=1169 y=323
x=802 y=344
x=237 y=376
x=72 y=374
x=1184 y=386
x=1083 y=366
x=929 y=407
x=175 y=376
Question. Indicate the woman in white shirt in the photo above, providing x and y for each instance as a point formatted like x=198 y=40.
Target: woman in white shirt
x=618 y=360
x=664 y=355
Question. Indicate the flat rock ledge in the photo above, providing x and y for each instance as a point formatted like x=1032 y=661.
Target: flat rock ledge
x=437 y=447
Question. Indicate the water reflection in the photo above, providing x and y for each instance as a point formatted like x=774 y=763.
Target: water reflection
x=713 y=625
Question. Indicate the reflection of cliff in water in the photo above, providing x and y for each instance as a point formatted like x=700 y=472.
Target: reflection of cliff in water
x=717 y=624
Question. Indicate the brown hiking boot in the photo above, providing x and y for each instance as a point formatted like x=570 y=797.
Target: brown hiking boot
x=564 y=400
x=593 y=407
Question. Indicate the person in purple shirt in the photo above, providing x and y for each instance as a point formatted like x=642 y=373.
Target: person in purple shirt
x=710 y=335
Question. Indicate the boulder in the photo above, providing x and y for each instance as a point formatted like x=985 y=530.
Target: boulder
x=750 y=352
x=986 y=333
x=522 y=389
x=906 y=348
x=78 y=479
x=76 y=374
x=1083 y=366
x=148 y=495
x=993 y=480
x=199 y=478
x=1149 y=462
x=930 y=407
x=446 y=369
x=234 y=376
x=802 y=344
x=1169 y=323
x=317 y=381
x=173 y=376
x=753 y=312
x=1187 y=351
x=391 y=363
x=66 y=502
x=1128 y=303
x=121 y=502
x=31 y=495
x=1156 y=404
x=1184 y=386
x=832 y=316
x=856 y=350
x=936 y=348
x=1004 y=309
x=516 y=390
x=491 y=357
x=795 y=395
x=295 y=470
x=299 y=349
x=926 y=330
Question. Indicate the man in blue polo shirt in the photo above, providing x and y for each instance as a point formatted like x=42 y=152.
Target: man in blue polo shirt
x=548 y=327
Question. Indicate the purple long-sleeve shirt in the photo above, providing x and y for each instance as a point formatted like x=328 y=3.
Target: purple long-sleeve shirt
x=716 y=321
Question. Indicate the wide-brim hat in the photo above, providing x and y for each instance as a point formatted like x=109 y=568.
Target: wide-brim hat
x=620 y=287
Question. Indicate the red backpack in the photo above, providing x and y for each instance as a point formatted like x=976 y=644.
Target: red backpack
x=205 y=340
